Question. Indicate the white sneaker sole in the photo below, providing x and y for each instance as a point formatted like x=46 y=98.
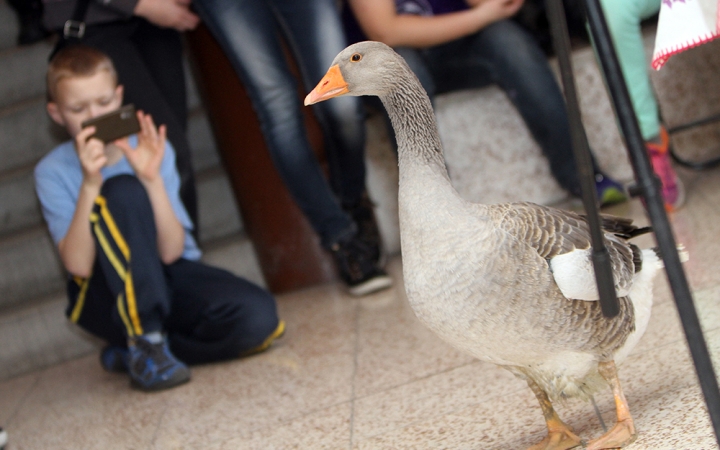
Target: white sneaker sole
x=372 y=285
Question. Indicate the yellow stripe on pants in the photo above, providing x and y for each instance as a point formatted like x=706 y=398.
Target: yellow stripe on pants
x=129 y=315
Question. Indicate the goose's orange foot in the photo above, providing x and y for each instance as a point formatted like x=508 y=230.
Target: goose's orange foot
x=621 y=435
x=559 y=440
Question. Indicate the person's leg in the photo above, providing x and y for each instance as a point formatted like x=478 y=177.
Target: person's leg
x=94 y=307
x=505 y=54
x=149 y=65
x=315 y=33
x=161 y=50
x=127 y=292
x=128 y=269
x=29 y=14
x=623 y=18
x=248 y=33
x=217 y=315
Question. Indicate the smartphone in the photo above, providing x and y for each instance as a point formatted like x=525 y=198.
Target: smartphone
x=114 y=125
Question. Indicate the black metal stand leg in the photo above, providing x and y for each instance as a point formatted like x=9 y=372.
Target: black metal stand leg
x=648 y=186
x=581 y=150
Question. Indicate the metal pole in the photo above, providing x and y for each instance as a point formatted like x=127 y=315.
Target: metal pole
x=581 y=150
x=648 y=185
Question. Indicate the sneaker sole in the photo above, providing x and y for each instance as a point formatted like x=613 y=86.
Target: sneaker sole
x=278 y=333
x=117 y=366
x=612 y=196
x=372 y=285
x=680 y=200
x=171 y=383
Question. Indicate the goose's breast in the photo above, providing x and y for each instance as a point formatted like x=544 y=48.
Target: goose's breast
x=471 y=284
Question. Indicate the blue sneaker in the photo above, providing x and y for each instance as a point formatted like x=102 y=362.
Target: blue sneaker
x=152 y=367
x=114 y=358
x=609 y=191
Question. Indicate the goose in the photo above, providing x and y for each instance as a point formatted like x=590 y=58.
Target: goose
x=512 y=283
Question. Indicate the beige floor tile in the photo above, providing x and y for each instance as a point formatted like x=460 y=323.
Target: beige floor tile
x=431 y=396
x=309 y=369
x=325 y=429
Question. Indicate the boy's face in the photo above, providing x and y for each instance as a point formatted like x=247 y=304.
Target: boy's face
x=82 y=98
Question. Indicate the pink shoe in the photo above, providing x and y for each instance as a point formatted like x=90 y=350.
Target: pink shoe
x=673 y=191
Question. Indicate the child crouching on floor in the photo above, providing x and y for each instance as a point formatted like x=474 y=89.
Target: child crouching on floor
x=114 y=212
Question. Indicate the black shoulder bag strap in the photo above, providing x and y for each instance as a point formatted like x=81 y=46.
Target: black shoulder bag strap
x=74 y=28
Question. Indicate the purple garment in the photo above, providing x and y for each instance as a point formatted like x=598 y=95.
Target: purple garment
x=429 y=7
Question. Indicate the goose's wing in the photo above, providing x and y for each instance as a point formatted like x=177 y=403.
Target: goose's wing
x=563 y=239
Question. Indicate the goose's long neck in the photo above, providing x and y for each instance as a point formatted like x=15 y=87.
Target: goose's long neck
x=416 y=130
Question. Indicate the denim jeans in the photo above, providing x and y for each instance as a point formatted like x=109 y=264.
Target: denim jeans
x=249 y=31
x=505 y=54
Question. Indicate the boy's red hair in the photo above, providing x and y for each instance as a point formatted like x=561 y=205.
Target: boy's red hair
x=76 y=61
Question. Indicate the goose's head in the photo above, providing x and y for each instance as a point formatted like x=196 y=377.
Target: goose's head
x=365 y=68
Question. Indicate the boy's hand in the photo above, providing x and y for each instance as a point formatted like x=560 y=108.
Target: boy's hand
x=91 y=153
x=147 y=157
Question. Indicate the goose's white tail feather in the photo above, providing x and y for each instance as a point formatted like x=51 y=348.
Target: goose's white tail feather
x=682 y=253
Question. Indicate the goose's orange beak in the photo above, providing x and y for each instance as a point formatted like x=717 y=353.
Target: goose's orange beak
x=331 y=85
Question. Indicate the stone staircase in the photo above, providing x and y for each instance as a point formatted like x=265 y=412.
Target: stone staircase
x=33 y=331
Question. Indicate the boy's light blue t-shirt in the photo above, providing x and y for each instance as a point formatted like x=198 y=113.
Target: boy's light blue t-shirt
x=58 y=177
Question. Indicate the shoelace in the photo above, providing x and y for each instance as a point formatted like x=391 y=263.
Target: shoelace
x=154 y=352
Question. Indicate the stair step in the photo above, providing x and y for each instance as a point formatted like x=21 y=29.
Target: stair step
x=219 y=216
x=22 y=71
x=39 y=335
x=26 y=134
x=202 y=141
x=20 y=207
x=29 y=267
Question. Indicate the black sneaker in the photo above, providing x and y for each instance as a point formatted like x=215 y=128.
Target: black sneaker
x=363 y=215
x=3 y=438
x=152 y=367
x=114 y=358
x=357 y=267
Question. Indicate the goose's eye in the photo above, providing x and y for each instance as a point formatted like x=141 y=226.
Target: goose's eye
x=356 y=57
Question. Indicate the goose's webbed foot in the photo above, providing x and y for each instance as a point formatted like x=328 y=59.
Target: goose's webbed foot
x=559 y=440
x=619 y=436
x=560 y=436
x=623 y=433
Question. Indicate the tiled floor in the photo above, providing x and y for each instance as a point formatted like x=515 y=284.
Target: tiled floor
x=364 y=374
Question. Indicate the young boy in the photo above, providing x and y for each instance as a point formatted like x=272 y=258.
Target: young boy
x=123 y=235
